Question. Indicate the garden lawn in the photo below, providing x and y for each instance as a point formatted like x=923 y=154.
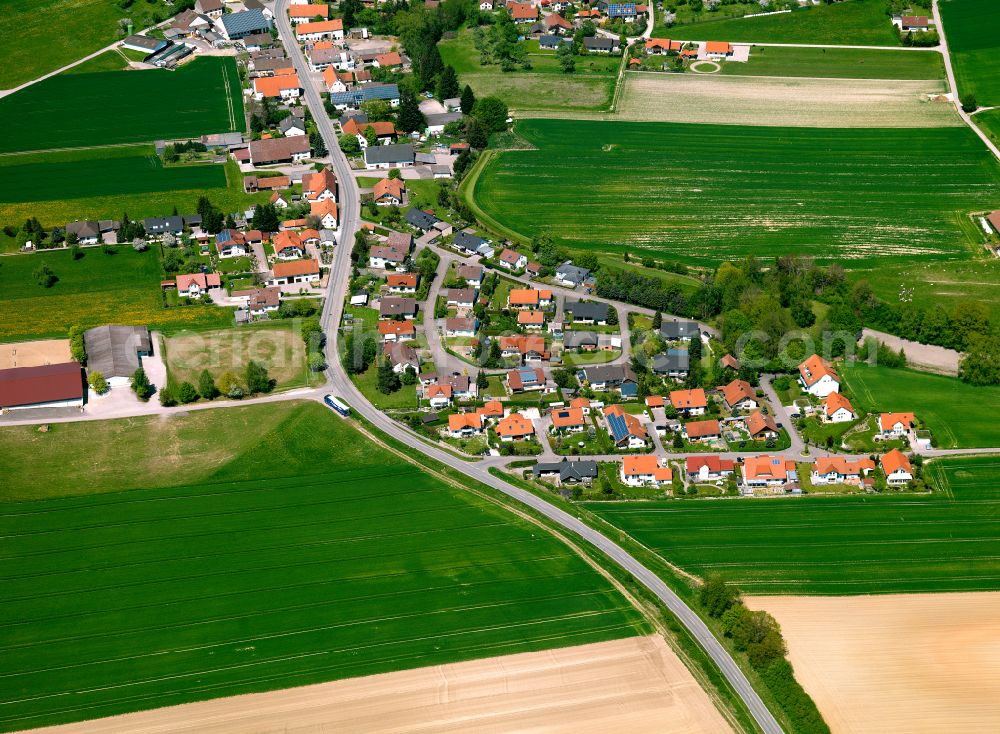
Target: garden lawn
x=959 y=415
x=114 y=107
x=43 y=35
x=888 y=543
x=839 y=63
x=230 y=584
x=123 y=288
x=706 y=193
x=970 y=27
x=101 y=183
x=852 y=23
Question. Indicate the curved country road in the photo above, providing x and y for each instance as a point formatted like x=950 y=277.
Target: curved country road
x=340 y=384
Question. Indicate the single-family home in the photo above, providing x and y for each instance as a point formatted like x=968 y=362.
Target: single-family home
x=319 y=186
x=461 y=297
x=471 y=274
x=600 y=45
x=586 y=341
x=657 y=46
x=288 y=245
x=511 y=260
x=397 y=331
x=439 y=396
x=295 y=271
x=458 y=326
x=582 y=403
x=607 y=377
x=491 y=410
x=566 y=472
x=571 y=275
x=817 y=377
x=528 y=298
x=424 y=221
x=626 y=431
x=463 y=425
x=194 y=285
x=394 y=307
x=388 y=156
x=760 y=426
x=211 y=8
x=325 y=212
x=263 y=301
x=525 y=379
x=838 y=470
x=551 y=42
x=156 y=227
x=838 y=409
x=402 y=282
x=760 y=472
x=402 y=357
x=86 y=232
x=896 y=425
x=918 y=23
x=587 y=312
x=708 y=468
x=522 y=12
x=718 y=49
x=555 y=23
x=230 y=243
x=531 y=320
x=383 y=131
x=709 y=430
x=515 y=427
x=674 y=363
x=389 y=192
x=283 y=86
x=309 y=237
x=568 y=420
x=528 y=348
x=645 y=471
x=468 y=244
x=739 y=395
x=689 y=402
x=386 y=256
x=896 y=467
x=679 y=331
x=292 y=126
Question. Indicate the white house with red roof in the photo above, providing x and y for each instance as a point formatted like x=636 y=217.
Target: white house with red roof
x=838 y=409
x=640 y=471
x=193 y=285
x=896 y=425
x=817 y=377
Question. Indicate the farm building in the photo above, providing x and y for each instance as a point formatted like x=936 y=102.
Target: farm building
x=116 y=351
x=279 y=150
x=144 y=44
x=296 y=271
x=45 y=386
x=247 y=23
x=319 y=30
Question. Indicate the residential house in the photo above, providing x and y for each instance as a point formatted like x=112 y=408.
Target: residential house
x=625 y=429
x=555 y=23
x=679 y=331
x=515 y=427
x=292 y=126
x=817 y=377
x=463 y=387
x=567 y=472
x=525 y=379
x=674 y=363
x=211 y=8
x=279 y=150
x=461 y=297
x=600 y=45
x=393 y=307
x=568 y=420
x=467 y=243
x=571 y=275
x=551 y=42
x=388 y=156
x=760 y=426
x=402 y=282
x=389 y=192
x=439 y=396
x=585 y=341
x=768 y=472
x=318 y=30
x=156 y=227
x=385 y=132
x=739 y=395
x=86 y=232
x=718 y=49
x=194 y=285
x=587 y=312
x=689 y=402
x=263 y=301
x=522 y=12
x=491 y=410
x=607 y=377
x=533 y=269
x=645 y=471
x=838 y=409
x=326 y=212
x=386 y=257
x=397 y=331
x=402 y=357
x=838 y=470
x=464 y=425
x=896 y=425
x=625 y=12
x=309 y=237
x=709 y=430
x=511 y=260
x=283 y=86
x=288 y=245
x=471 y=274
x=708 y=468
x=528 y=298
x=582 y=403
x=657 y=46
x=458 y=326
x=527 y=348
x=319 y=186
x=531 y=320
x=919 y=23
x=230 y=243
x=897 y=468
x=295 y=271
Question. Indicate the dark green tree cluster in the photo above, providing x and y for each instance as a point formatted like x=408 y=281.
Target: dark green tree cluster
x=130 y=230
x=213 y=220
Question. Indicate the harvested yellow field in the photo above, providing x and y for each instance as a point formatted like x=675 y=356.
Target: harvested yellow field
x=635 y=685
x=783 y=101
x=896 y=664
x=34 y=354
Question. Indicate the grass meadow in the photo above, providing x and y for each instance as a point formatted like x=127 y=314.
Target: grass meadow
x=989 y=122
x=302 y=554
x=851 y=23
x=43 y=35
x=115 y=107
x=707 y=193
x=970 y=27
x=959 y=415
x=838 y=63
x=838 y=545
x=123 y=288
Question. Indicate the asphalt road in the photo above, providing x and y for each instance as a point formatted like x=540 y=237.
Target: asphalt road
x=341 y=385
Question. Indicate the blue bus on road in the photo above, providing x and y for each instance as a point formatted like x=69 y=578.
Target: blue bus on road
x=337 y=404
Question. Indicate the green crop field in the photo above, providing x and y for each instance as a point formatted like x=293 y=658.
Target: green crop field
x=959 y=415
x=101 y=183
x=839 y=63
x=840 y=545
x=236 y=584
x=970 y=27
x=707 y=193
x=123 y=288
x=43 y=35
x=852 y=23
x=114 y=107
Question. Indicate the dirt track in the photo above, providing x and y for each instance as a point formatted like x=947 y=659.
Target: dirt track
x=896 y=664
x=635 y=685
x=34 y=354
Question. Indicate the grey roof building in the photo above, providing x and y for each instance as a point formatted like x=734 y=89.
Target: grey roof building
x=114 y=350
x=612 y=375
x=570 y=273
x=599 y=44
x=579 y=340
x=162 y=225
x=84 y=230
x=247 y=23
x=419 y=218
x=587 y=311
x=675 y=362
x=401 y=154
x=569 y=471
x=468 y=242
x=679 y=330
